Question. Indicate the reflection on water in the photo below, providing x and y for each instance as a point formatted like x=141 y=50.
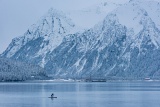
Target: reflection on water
x=113 y=94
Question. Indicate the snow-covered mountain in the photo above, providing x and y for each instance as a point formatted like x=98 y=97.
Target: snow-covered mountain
x=41 y=38
x=125 y=45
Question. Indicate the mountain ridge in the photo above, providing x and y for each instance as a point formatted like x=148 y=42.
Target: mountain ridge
x=125 y=45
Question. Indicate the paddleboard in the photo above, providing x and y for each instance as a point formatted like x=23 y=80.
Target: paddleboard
x=52 y=97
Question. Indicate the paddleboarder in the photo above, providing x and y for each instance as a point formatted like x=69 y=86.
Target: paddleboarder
x=52 y=95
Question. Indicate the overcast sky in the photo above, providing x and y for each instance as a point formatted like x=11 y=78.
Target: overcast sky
x=16 y=16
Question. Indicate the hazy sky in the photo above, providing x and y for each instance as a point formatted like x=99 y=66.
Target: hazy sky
x=16 y=16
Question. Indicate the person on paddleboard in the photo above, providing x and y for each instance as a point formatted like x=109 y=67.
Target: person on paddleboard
x=52 y=95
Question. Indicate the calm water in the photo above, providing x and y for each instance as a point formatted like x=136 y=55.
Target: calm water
x=114 y=94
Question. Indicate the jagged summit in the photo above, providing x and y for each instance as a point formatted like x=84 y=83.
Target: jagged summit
x=52 y=27
x=54 y=21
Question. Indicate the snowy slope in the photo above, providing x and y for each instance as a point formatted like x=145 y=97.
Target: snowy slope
x=153 y=10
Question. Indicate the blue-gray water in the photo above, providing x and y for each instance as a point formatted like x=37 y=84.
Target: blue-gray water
x=74 y=94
